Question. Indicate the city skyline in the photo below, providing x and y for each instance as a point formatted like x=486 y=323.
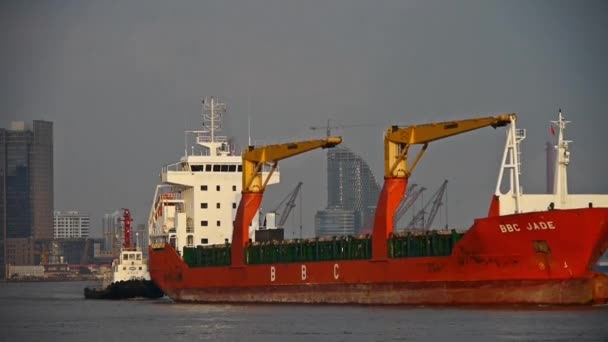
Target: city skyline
x=122 y=82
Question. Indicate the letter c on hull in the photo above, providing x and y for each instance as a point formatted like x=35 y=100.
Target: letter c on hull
x=336 y=275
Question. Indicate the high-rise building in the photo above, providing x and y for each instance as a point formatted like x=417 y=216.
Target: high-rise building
x=112 y=231
x=26 y=194
x=71 y=225
x=352 y=194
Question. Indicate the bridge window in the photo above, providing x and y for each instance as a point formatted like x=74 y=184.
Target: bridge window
x=208 y=167
x=232 y=168
x=197 y=168
x=224 y=168
x=240 y=168
x=216 y=168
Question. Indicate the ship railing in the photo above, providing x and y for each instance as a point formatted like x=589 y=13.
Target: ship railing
x=202 y=139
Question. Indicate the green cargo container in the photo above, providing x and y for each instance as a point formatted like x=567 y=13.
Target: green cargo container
x=207 y=256
x=344 y=248
x=423 y=244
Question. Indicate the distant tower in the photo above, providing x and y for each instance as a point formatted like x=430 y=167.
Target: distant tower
x=352 y=190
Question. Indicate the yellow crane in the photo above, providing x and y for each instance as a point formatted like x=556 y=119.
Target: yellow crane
x=254 y=158
x=254 y=184
x=397 y=142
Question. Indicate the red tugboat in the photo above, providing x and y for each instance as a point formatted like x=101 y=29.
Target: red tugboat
x=543 y=257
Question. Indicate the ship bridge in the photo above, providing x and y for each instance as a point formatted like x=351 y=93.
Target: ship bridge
x=197 y=198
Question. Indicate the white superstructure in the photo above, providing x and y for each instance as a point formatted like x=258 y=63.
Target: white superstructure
x=130 y=265
x=513 y=200
x=196 y=202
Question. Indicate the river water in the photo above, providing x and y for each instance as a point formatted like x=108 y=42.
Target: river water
x=59 y=312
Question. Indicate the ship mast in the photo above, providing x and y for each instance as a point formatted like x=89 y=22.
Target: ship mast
x=126 y=219
x=207 y=137
x=560 y=185
x=213 y=112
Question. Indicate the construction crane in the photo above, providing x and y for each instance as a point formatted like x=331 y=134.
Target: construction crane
x=255 y=181
x=419 y=221
x=290 y=203
x=397 y=169
x=408 y=201
x=329 y=127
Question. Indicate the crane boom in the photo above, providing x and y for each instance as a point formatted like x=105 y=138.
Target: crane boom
x=435 y=203
x=255 y=157
x=289 y=205
x=398 y=140
x=408 y=202
x=253 y=186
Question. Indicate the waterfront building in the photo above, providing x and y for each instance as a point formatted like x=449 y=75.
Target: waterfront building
x=26 y=191
x=352 y=193
x=71 y=224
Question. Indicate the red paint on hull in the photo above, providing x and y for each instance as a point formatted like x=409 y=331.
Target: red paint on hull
x=540 y=258
x=591 y=290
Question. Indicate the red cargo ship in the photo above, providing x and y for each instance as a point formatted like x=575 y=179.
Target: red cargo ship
x=543 y=257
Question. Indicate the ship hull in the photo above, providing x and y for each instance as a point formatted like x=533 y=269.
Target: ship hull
x=590 y=290
x=532 y=258
x=137 y=288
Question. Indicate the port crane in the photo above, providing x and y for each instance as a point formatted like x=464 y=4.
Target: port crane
x=255 y=178
x=436 y=201
x=397 y=170
x=408 y=201
x=290 y=202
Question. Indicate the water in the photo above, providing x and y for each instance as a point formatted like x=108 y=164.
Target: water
x=59 y=312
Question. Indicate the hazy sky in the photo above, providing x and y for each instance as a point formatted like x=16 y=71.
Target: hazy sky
x=121 y=80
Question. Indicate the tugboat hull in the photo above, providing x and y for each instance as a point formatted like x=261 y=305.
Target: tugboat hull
x=125 y=290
